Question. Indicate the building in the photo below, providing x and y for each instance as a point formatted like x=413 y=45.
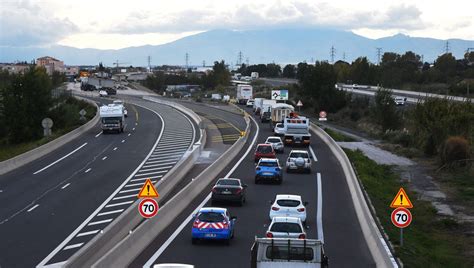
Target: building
x=16 y=68
x=50 y=64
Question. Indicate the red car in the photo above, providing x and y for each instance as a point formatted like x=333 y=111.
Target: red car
x=264 y=151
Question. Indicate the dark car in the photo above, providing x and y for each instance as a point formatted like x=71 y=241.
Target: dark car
x=264 y=151
x=110 y=91
x=228 y=189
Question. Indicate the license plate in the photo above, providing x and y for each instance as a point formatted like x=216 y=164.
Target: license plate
x=210 y=235
x=267 y=174
x=226 y=192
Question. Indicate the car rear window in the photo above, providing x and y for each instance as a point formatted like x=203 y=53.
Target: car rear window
x=211 y=217
x=264 y=149
x=228 y=182
x=268 y=164
x=294 y=253
x=288 y=203
x=273 y=140
x=296 y=155
x=286 y=227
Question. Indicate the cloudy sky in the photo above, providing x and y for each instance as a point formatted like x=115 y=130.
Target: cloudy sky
x=116 y=24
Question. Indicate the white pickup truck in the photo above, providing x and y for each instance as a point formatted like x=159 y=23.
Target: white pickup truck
x=288 y=253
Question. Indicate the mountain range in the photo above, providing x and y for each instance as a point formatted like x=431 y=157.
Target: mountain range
x=257 y=46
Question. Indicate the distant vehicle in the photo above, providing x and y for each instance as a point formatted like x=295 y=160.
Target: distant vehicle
x=288 y=253
x=254 y=75
x=296 y=130
x=112 y=118
x=102 y=93
x=226 y=98
x=257 y=105
x=400 y=100
x=298 y=160
x=264 y=151
x=229 y=189
x=287 y=205
x=266 y=111
x=279 y=111
x=286 y=227
x=276 y=143
x=268 y=169
x=250 y=102
x=244 y=93
x=212 y=223
x=110 y=91
x=279 y=129
x=237 y=76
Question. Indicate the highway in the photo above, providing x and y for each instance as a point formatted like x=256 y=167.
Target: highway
x=56 y=204
x=335 y=223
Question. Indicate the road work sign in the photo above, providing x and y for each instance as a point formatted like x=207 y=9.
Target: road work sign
x=401 y=200
x=148 y=190
x=148 y=208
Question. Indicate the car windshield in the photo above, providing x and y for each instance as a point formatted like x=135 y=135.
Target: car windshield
x=264 y=149
x=228 y=182
x=274 y=140
x=111 y=120
x=286 y=227
x=288 y=203
x=268 y=164
x=211 y=217
x=296 y=155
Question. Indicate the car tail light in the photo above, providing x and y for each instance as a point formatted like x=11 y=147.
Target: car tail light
x=275 y=208
x=306 y=141
x=300 y=209
x=302 y=236
x=238 y=191
x=269 y=235
x=226 y=225
x=214 y=190
x=196 y=224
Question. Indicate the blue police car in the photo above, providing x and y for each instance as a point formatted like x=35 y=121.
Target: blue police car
x=212 y=223
x=268 y=169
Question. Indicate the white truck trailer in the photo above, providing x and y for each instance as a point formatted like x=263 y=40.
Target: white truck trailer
x=112 y=118
x=266 y=111
x=280 y=111
x=244 y=93
x=288 y=253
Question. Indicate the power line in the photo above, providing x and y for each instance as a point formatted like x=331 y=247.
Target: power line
x=333 y=54
x=149 y=63
x=379 y=54
x=239 y=58
x=344 y=56
x=203 y=63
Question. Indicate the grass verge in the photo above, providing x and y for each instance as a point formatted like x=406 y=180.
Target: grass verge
x=337 y=136
x=430 y=241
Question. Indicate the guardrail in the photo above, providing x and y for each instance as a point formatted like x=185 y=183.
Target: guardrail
x=131 y=246
x=373 y=237
x=130 y=220
x=27 y=157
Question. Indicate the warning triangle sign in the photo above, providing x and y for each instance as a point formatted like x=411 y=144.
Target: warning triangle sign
x=148 y=190
x=401 y=200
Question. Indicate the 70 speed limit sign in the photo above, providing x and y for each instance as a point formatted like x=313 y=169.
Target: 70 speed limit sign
x=148 y=208
x=401 y=217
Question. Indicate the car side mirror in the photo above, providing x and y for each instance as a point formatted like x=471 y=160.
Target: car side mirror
x=305 y=203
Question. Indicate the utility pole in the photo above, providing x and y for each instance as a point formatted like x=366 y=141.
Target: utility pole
x=333 y=54
x=247 y=60
x=239 y=59
x=344 y=56
x=187 y=61
x=379 y=54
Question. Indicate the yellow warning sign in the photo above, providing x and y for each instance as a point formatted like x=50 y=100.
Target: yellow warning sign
x=148 y=190
x=242 y=133
x=401 y=200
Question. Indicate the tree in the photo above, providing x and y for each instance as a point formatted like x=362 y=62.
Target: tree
x=385 y=112
x=220 y=74
x=26 y=102
x=273 y=70
x=361 y=71
x=446 y=64
x=289 y=71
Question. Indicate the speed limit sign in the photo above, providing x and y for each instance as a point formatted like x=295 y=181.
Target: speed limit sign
x=148 y=208
x=401 y=217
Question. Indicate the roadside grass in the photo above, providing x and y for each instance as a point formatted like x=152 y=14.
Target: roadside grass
x=461 y=183
x=430 y=241
x=337 y=136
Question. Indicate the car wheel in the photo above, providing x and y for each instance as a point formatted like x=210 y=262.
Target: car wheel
x=194 y=241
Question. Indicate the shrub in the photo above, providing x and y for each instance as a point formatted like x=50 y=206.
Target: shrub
x=455 y=151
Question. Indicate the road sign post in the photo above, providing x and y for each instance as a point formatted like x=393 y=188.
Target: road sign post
x=401 y=217
x=299 y=104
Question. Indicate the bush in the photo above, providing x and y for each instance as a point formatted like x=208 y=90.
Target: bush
x=456 y=151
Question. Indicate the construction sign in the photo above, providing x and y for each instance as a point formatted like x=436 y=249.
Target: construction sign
x=401 y=200
x=148 y=190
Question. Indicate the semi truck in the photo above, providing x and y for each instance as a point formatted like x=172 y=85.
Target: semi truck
x=244 y=93
x=288 y=252
x=266 y=111
x=280 y=111
x=112 y=118
x=296 y=130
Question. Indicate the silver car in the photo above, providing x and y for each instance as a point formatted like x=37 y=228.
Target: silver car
x=286 y=227
x=276 y=143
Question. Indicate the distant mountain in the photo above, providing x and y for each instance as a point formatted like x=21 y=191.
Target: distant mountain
x=259 y=46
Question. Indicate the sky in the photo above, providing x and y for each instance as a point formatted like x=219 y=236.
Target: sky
x=114 y=24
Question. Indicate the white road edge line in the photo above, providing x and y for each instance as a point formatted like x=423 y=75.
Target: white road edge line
x=105 y=157
x=73 y=246
x=55 y=162
x=313 y=154
x=163 y=247
x=64 y=187
x=31 y=209
x=100 y=133
x=104 y=204
x=115 y=148
x=87 y=233
x=319 y=212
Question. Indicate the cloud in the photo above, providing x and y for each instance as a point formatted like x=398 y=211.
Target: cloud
x=25 y=23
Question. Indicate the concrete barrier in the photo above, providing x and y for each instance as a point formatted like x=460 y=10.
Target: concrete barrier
x=129 y=220
x=375 y=241
x=124 y=252
x=27 y=157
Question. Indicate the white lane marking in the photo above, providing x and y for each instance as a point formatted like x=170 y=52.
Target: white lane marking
x=136 y=184
x=123 y=141
x=136 y=124
x=73 y=246
x=313 y=154
x=99 y=222
x=64 y=187
x=166 y=154
x=124 y=197
x=167 y=162
x=131 y=190
x=60 y=159
x=105 y=157
x=87 y=170
x=110 y=212
x=119 y=204
x=87 y=233
x=159 y=164
x=129 y=134
x=133 y=128
x=104 y=204
x=151 y=173
x=115 y=148
x=156 y=168
x=319 y=212
x=163 y=247
x=31 y=209
x=100 y=133
x=164 y=158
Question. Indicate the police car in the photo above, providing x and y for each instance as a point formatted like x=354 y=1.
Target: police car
x=213 y=223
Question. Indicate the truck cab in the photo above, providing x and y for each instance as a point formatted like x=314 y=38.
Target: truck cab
x=112 y=118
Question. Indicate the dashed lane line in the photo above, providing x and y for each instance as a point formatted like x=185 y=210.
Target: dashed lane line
x=64 y=187
x=31 y=209
x=60 y=159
